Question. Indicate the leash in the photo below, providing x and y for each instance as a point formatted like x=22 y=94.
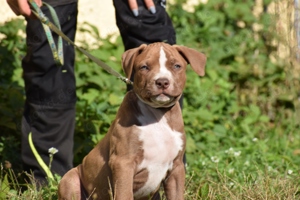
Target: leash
x=58 y=53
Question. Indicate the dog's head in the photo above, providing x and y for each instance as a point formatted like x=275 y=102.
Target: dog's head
x=158 y=71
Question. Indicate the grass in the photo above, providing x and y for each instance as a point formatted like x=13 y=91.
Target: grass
x=23 y=186
x=262 y=169
x=262 y=186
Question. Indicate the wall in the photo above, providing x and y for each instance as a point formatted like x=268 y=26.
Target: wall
x=100 y=13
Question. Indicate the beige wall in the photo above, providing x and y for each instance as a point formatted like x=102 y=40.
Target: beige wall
x=99 y=13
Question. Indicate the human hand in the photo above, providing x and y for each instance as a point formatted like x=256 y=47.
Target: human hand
x=21 y=7
x=134 y=6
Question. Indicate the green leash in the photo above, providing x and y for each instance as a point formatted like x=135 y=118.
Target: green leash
x=58 y=53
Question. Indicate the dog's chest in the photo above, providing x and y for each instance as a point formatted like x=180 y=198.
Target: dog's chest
x=160 y=145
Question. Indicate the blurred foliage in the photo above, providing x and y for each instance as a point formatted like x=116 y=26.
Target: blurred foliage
x=11 y=89
x=241 y=118
x=99 y=93
x=244 y=116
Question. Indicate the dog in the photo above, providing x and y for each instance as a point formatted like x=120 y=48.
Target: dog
x=145 y=144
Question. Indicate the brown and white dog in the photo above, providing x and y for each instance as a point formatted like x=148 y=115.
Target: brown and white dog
x=145 y=144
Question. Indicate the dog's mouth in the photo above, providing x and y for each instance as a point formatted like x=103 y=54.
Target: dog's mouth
x=158 y=99
x=163 y=100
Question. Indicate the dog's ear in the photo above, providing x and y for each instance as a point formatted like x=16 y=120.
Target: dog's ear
x=196 y=59
x=128 y=58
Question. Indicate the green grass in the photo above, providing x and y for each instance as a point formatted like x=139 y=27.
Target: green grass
x=262 y=186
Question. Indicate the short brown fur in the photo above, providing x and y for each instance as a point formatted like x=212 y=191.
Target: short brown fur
x=115 y=159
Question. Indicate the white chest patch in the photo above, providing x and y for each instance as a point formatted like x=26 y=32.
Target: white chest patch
x=161 y=145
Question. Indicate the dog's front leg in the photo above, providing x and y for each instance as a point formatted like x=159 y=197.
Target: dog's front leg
x=122 y=175
x=174 y=184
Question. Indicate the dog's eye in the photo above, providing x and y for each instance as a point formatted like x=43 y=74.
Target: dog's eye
x=177 y=66
x=144 y=67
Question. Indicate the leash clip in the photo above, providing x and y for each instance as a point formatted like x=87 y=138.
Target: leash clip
x=126 y=80
x=44 y=19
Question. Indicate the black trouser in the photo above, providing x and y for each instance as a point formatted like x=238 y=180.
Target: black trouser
x=146 y=28
x=49 y=112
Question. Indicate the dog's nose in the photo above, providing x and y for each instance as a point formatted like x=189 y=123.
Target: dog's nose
x=162 y=83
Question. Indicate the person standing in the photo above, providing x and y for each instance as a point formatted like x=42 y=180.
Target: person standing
x=49 y=110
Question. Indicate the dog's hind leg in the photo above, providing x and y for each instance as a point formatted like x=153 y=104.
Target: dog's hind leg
x=70 y=186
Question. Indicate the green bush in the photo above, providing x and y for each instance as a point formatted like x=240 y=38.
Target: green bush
x=241 y=118
x=99 y=93
x=11 y=90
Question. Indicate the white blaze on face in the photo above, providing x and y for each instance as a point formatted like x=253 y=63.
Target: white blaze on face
x=163 y=70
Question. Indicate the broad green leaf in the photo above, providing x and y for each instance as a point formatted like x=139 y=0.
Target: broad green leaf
x=190 y=145
x=4 y=187
x=205 y=115
x=114 y=99
x=220 y=130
